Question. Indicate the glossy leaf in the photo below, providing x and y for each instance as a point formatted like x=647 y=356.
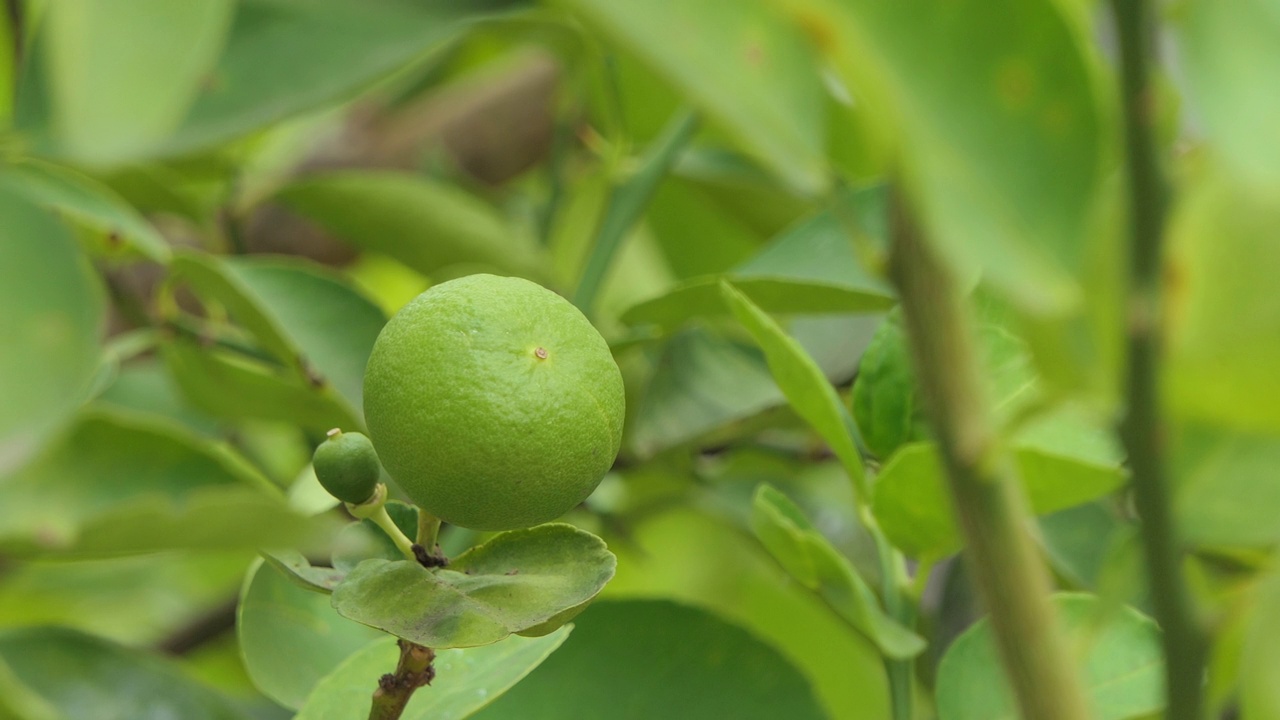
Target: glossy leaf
x=294 y=567
x=88 y=203
x=1223 y=330
x=801 y=381
x=645 y=659
x=51 y=324
x=319 y=54
x=812 y=267
x=306 y=317
x=467 y=679
x=511 y=584
x=119 y=483
x=291 y=638
x=423 y=224
x=1123 y=668
x=1227 y=494
x=914 y=507
x=816 y=564
x=121 y=79
x=1001 y=133
x=1228 y=48
x=745 y=67
x=110 y=682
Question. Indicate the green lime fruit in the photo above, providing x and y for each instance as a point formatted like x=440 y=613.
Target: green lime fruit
x=347 y=466
x=493 y=403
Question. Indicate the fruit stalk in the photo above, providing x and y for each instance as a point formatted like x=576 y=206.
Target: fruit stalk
x=394 y=691
x=985 y=490
x=1142 y=428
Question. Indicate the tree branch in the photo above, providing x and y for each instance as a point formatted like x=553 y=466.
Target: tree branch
x=1142 y=428
x=985 y=490
x=414 y=670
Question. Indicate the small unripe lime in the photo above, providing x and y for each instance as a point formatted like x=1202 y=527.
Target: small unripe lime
x=494 y=403
x=347 y=466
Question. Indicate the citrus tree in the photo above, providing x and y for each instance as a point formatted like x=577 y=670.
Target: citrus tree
x=639 y=358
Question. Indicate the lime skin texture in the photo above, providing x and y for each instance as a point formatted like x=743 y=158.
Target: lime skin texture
x=347 y=466
x=494 y=403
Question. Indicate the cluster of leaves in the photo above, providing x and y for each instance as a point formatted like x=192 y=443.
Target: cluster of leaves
x=210 y=207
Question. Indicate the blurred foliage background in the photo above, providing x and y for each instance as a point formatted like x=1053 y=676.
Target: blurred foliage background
x=210 y=207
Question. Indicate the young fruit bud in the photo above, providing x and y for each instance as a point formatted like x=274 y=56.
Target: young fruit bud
x=347 y=466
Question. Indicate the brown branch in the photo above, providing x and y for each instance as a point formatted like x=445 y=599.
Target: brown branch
x=414 y=670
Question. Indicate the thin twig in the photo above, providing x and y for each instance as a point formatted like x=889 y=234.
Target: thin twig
x=394 y=691
x=985 y=490
x=1142 y=428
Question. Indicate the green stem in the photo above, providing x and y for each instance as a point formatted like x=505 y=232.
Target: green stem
x=1142 y=428
x=628 y=202
x=428 y=530
x=899 y=672
x=985 y=490
x=384 y=521
x=396 y=689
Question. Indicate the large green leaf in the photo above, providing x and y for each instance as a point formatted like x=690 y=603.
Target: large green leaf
x=914 y=507
x=467 y=679
x=812 y=267
x=424 y=224
x=639 y=659
x=19 y=702
x=88 y=203
x=998 y=123
x=1227 y=494
x=1230 y=48
x=83 y=676
x=743 y=65
x=308 y=318
x=51 y=323
x=122 y=77
x=1223 y=312
x=515 y=583
x=291 y=638
x=121 y=483
x=814 y=563
x=1123 y=667
x=801 y=381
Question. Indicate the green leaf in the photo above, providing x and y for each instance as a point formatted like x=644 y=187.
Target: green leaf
x=295 y=568
x=423 y=224
x=120 y=483
x=702 y=381
x=122 y=78
x=515 y=582
x=649 y=659
x=236 y=387
x=1226 y=491
x=1260 y=656
x=816 y=564
x=1223 y=329
x=812 y=267
x=1123 y=669
x=51 y=324
x=19 y=702
x=319 y=54
x=291 y=638
x=745 y=67
x=1001 y=133
x=467 y=679
x=109 y=682
x=914 y=507
x=802 y=381
x=88 y=203
x=886 y=402
x=308 y=318
x=1228 y=48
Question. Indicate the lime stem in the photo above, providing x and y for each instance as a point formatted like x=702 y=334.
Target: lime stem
x=384 y=521
x=428 y=530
